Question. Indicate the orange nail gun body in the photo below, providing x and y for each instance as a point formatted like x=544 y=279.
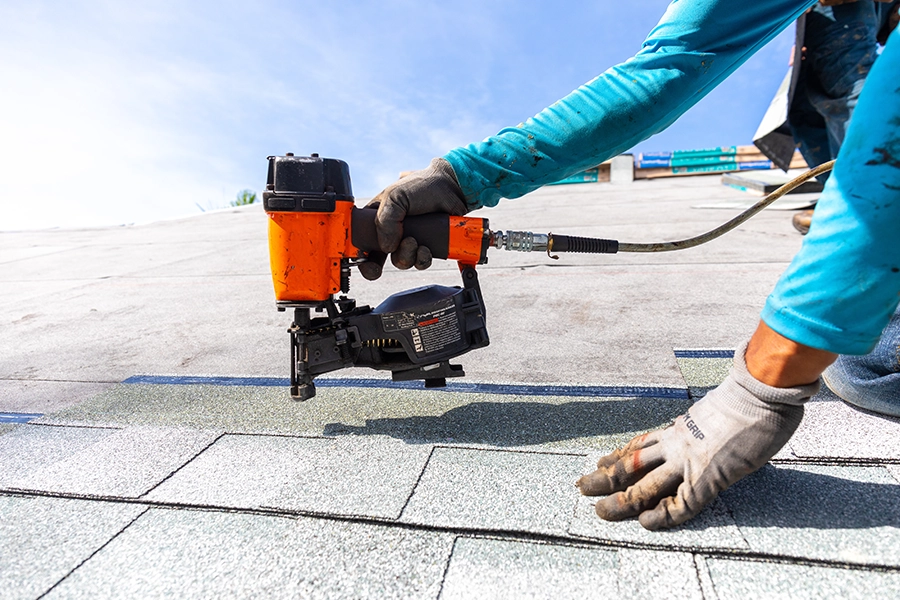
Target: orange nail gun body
x=316 y=235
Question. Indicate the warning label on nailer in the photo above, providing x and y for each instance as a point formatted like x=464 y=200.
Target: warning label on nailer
x=431 y=331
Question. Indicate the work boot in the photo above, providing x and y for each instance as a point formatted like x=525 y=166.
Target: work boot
x=801 y=221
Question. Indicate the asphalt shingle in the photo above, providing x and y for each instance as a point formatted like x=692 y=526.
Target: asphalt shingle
x=894 y=470
x=703 y=374
x=416 y=416
x=495 y=490
x=43 y=539
x=486 y=568
x=346 y=476
x=745 y=580
x=199 y=554
x=832 y=428
x=126 y=463
x=846 y=514
x=29 y=448
x=653 y=574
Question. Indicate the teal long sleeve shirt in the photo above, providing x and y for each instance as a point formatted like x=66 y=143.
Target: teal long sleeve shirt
x=695 y=46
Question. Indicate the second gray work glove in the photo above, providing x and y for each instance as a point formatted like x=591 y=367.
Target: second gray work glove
x=667 y=476
x=434 y=189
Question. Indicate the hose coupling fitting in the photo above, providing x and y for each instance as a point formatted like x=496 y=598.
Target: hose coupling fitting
x=521 y=241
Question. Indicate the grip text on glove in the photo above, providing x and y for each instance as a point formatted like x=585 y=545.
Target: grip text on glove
x=692 y=426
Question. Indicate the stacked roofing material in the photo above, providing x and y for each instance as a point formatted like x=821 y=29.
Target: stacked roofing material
x=600 y=173
x=650 y=165
x=710 y=161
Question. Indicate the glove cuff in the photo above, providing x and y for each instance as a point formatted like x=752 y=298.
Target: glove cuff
x=740 y=375
x=442 y=168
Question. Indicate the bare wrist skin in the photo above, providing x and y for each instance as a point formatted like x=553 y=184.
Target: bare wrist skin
x=779 y=362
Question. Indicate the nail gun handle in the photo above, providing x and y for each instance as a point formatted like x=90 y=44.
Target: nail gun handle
x=465 y=239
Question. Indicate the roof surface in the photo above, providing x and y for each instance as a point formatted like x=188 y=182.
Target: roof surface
x=149 y=447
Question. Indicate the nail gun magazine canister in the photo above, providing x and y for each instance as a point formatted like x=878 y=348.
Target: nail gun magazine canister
x=309 y=202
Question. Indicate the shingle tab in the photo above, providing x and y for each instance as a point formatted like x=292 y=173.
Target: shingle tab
x=496 y=569
x=655 y=574
x=30 y=448
x=198 y=554
x=495 y=490
x=832 y=428
x=344 y=476
x=740 y=580
x=127 y=463
x=42 y=539
x=847 y=514
x=703 y=374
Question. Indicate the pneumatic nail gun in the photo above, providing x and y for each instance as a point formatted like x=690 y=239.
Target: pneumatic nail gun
x=316 y=235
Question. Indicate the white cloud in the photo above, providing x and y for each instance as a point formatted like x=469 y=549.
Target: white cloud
x=114 y=112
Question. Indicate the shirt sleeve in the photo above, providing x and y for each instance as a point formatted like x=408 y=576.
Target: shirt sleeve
x=843 y=285
x=696 y=45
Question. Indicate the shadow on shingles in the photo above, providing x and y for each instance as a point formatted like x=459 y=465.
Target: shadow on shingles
x=789 y=498
x=523 y=423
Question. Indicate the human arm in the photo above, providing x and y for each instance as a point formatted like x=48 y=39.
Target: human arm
x=695 y=46
x=836 y=297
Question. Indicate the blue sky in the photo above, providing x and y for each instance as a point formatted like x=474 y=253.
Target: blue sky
x=115 y=112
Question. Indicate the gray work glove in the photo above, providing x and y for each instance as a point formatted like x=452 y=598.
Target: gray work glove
x=434 y=189
x=667 y=476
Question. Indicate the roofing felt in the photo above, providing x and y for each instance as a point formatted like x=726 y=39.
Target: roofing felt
x=148 y=448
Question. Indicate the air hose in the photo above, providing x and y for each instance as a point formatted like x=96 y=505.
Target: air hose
x=523 y=241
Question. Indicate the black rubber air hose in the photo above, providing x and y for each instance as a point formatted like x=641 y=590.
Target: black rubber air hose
x=565 y=243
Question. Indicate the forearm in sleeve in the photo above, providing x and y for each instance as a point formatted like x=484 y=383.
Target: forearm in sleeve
x=696 y=45
x=844 y=284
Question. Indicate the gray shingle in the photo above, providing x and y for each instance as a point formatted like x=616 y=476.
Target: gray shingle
x=495 y=490
x=849 y=514
x=744 y=580
x=42 y=539
x=832 y=428
x=418 y=416
x=196 y=554
x=485 y=568
x=653 y=574
x=344 y=476
x=29 y=448
x=127 y=463
x=894 y=470
x=557 y=423
x=703 y=374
